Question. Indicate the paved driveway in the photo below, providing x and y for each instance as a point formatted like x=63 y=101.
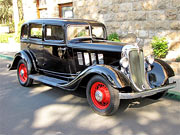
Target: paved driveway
x=44 y=110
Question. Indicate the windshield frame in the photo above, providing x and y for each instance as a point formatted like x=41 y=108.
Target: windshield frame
x=90 y=31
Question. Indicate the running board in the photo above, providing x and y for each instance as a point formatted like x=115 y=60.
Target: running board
x=48 y=80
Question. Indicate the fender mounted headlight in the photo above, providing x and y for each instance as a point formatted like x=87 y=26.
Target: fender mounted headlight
x=150 y=59
x=124 y=62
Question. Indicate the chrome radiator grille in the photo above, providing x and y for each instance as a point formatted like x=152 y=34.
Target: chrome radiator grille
x=137 y=69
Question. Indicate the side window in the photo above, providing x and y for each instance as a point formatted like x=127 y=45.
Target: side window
x=53 y=32
x=36 y=31
x=24 y=32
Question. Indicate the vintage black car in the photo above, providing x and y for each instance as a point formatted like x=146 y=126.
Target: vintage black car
x=68 y=53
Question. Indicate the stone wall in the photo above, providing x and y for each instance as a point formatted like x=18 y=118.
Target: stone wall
x=142 y=18
x=128 y=18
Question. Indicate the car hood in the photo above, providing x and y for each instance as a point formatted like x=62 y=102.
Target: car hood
x=102 y=45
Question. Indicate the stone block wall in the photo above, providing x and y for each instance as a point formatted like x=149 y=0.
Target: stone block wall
x=128 y=18
x=142 y=18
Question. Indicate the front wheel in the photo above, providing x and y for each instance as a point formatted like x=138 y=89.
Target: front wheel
x=101 y=96
x=22 y=73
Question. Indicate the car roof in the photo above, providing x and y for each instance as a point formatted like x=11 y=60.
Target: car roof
x=60 y=21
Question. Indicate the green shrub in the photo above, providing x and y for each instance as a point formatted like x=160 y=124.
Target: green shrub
x=177 y=59
x=114 y=37
x=17 y=37
x=11 y=27
x=4 y=38
x=160 y=47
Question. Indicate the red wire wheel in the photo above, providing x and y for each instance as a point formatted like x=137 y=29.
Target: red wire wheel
x=23 y=75
x=100 y=95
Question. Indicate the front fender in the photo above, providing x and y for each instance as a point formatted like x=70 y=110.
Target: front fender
x=169 y=71
x=113 y=76
x=22 y=55
x=159 y=74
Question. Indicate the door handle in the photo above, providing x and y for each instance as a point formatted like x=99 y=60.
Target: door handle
x=61 y=49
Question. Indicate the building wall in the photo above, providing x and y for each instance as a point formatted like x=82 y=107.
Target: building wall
x=29 y=9
x=139 y=18
x=144 y=18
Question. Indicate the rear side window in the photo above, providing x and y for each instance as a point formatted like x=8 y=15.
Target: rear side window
x=53 y=32
x=36 y=31
x=24 y=32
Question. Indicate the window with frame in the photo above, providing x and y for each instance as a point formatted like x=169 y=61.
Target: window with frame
x=36 y=31
x=66 y=10
x=24 y=32
x=41 y=8
x=42 y=3
x=53 y=32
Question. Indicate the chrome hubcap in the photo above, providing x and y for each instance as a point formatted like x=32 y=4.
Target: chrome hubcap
x=98 y=96
x=22 y=72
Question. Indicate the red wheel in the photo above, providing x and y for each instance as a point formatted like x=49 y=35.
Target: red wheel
x=22 y=73
x=101 y=96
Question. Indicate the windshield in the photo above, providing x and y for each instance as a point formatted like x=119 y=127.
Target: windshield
x=83 y=31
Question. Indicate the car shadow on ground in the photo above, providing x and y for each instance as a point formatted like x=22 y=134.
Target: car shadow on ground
x=81 y=93
x=44 y=110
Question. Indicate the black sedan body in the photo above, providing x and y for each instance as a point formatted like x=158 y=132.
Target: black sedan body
x=68 y=53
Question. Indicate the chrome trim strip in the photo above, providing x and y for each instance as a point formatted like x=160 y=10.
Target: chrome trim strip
x=146 y=93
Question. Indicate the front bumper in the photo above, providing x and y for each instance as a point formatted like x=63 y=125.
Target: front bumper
x=146 y=93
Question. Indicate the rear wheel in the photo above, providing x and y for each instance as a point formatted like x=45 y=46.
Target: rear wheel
x=102 y=98
x=22 y=73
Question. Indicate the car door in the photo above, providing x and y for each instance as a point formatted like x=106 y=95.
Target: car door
x=34 y=44
x=55 y=51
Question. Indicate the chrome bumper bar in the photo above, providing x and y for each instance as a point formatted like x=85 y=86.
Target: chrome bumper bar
x=146 y=93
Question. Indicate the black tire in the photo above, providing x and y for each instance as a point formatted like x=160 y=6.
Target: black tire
x=159 y=95
x=23 y=79
x=107 y=106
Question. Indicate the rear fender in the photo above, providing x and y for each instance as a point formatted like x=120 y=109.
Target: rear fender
x=22 y=55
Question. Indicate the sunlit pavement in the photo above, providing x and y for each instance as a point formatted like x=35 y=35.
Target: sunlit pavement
x=44 y=110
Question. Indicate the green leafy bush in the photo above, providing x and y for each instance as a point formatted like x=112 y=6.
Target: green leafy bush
x=4 y=38
x=11 y=27
x=177 y=59
x=160 y=47
x=114 y=37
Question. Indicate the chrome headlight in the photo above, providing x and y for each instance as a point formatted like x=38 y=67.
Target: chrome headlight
x=150 y=59
x=124 y=62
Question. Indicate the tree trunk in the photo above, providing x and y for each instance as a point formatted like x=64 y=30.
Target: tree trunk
x=16 y=15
